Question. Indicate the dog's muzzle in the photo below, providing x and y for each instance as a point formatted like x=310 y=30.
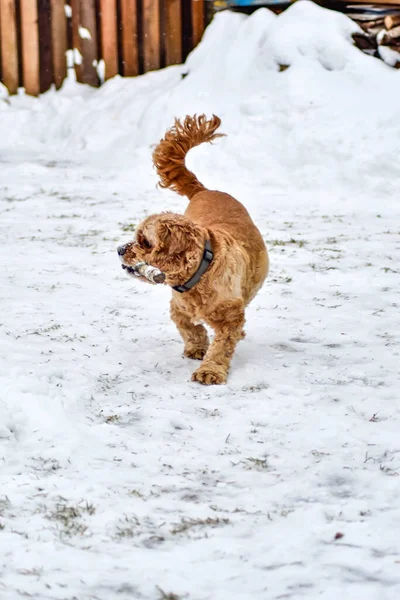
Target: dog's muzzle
x=121 y=250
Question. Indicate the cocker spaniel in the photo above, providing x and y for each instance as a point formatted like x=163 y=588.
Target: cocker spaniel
x=213 y=256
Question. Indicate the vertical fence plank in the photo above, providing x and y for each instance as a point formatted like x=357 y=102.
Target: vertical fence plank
x=151 y=35
x=59 y=41
x=187 y=38
x=129 y=34
x=173 y=32
x=88 y=42
x=30 y=47
x=76 y=39
x=9 y=45
x=84 y=40
x=109 y=39
x=198 y=21
x=45 y=46
x=68 y=14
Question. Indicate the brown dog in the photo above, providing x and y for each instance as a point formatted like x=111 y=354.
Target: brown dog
x=213 y=257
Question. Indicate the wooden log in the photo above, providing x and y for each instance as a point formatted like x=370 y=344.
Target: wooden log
x=151 y=35
x=173 y=32
x=393 y=44
x=9 y=45
x=59 y=41
x=368 y=25
x=390 y=38
x=30 y=47
x=364 y=41
x=45 y=45
x=391 y=21
x=129 y=38
x=373 y=33
x=198 y=22
x=109 y=38
x=88 y=42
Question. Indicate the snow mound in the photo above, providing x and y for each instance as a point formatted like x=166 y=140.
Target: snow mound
x=307 y=33
x=296 y=97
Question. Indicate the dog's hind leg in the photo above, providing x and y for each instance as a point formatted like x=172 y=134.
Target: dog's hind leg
x=194 y=336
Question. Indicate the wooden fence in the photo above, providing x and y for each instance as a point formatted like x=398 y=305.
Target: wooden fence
x=129 y=37
x=106 y=37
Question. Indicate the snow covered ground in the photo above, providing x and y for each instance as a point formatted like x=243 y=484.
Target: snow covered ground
x=122 y=480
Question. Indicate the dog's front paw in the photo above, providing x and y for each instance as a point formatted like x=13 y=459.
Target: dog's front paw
x=208 y=375
x=195 y=353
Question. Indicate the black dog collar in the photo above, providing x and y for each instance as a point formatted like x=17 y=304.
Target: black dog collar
x=205 y=263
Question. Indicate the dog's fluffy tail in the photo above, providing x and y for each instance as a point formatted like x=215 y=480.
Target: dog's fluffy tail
x=169 y=155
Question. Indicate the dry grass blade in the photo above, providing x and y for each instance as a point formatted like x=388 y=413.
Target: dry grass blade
x=187 y=524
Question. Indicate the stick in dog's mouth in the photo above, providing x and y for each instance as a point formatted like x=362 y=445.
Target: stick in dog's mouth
x=145 y=270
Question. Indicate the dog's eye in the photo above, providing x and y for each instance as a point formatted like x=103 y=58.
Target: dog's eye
x=146 y=244
x=142 y=241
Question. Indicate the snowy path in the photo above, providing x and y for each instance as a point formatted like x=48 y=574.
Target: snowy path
x=119 y=476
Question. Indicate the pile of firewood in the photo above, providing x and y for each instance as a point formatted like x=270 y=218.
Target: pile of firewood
x=381 y=38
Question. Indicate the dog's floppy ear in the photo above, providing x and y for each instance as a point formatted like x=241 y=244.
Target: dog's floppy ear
x=177 y=236
x=163 y=235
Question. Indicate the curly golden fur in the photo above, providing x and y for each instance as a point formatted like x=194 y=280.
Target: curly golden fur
x=175 y=243
x=169 y=156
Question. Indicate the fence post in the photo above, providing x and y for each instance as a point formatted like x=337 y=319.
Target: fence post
x=151 y=35
x=129 y=34
x=197 y=21
x=173 y=32
x=30 y=47
x=45 y=45
x=109 y=38
x=9 y=45
x=59 y=41
x=76 y=40
x=88 y=42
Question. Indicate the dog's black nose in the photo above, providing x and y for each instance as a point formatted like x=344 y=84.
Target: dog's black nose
x=121 y=250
